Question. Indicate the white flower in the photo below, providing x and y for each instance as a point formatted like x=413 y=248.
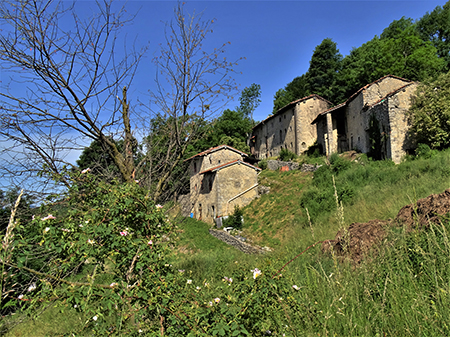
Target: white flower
x=150 y=242
x=295 y=287
x=46 y=229
x=124 y=233
x=90 y=241
x=217 y=300
x=198 y=288
x=206 y=284
x=95 y=318
x=159 y=206
x=48 y=217
x=32 y=287
x=113 y=284
x=86 y=171
x=20 y=296
x=256 y=273
x=75 y=306
x=87 y=221
x=139 y=330
x=189 y=281
x=210 y=303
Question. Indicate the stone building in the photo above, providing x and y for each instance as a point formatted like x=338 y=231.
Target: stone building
x=289 y=128
x=221 y=179
x=372 y=120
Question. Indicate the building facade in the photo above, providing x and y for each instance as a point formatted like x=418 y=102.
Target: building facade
x=220 y=180
x=290 y=128
x=374 y=120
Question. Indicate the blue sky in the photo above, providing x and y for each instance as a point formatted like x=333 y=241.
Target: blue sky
x=277 y=38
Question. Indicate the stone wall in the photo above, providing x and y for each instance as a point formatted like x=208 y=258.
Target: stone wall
x=236 y=243
x=290 y=128
x=274 y=165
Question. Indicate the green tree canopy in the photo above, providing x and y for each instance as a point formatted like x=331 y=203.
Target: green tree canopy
x=430 y=112
x=435 y=27
x=323 y=70
x=249 y=100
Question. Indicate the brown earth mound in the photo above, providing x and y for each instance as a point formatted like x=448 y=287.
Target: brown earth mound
x=426 y=210
x=359 y=238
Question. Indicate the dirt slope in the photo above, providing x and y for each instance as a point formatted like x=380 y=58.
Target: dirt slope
x=359 y=238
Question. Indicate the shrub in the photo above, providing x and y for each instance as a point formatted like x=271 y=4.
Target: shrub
x=424 y=151
x=263 y=164
x=339 y=164
x=286 y=155
x=234 y=220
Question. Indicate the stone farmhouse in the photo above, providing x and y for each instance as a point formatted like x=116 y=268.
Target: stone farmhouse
x=372 y=119
x=290 y=128
x=220 y=180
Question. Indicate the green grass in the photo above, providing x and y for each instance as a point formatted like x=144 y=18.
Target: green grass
x=403 y=291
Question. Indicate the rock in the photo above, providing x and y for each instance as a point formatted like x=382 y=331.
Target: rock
x=236 y=242
x=309 y=167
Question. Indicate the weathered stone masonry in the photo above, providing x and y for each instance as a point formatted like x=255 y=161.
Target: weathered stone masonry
x=220 y=180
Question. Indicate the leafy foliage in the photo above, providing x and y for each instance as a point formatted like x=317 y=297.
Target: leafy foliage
x=286 y=155
x=430 y=112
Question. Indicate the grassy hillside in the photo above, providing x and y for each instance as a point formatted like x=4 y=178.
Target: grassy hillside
x=404 y=291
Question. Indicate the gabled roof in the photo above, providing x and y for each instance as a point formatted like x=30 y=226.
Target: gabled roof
x=217 y=148
x=237 y=161
x=392 y=93
x=290 y=105
x=375 y=82
x=323 y=113
x=337 y=107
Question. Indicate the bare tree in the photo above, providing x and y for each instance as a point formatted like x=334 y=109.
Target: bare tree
x=61 y=81
x=193 y=84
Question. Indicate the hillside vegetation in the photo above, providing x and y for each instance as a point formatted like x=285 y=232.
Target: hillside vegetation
x=217 y=290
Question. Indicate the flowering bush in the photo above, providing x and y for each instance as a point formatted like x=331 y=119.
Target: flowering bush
x=106 y=254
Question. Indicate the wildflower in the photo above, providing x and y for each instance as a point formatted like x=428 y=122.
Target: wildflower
x=295 y=287
x=46 y=229
x=65 y=230
x=198 y=288
x=217 y=300
x=256 y=273
x=20 y=296
x=228 y=279
x=124 y=233
x=86 y=170
x=136 y=181
x=75 y=306
x=32 y=218
x=87 y=221
x=80 y=225
x=189 y=281
x=31 y=287
x=150 y=242
x=90 y=241
x=159 y=206
x=210 y=303
x=48 y=217
x=140 y=330
x=206 y=284
x=181 y=270
x=95 y=318
x=113 y=284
